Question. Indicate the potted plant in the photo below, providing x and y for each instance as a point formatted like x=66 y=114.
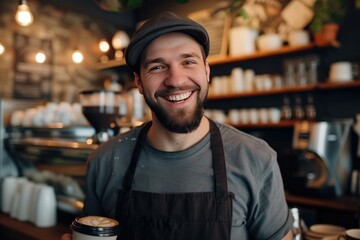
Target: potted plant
x=328 y=15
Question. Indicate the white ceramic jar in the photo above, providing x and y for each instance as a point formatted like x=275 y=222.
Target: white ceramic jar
x=269 y=41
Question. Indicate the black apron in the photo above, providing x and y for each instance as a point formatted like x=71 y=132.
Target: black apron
x=187 y=216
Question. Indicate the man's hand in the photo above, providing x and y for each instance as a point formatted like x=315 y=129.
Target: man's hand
x=66 y=236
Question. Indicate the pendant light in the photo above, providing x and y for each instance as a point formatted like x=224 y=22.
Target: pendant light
x=119 y=42
x=40 y=57
x=23 y=16
x=104 y=47
x=77 y=56
x=2 y=48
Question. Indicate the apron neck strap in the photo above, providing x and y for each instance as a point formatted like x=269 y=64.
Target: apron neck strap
x=129 y=177
x=218 y=158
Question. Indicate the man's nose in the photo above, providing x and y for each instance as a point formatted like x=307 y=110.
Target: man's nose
x=176 y=76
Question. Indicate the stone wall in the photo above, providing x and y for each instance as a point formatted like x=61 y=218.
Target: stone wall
x=66 y=30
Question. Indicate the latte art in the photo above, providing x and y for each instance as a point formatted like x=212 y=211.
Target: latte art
x=97 y=221
x=94 y=227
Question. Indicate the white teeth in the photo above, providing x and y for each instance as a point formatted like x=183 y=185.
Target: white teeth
x=179 y=97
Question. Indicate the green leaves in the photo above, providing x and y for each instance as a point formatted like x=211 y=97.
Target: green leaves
x=327 y=11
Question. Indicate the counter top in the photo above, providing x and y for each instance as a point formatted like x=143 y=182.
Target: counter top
x=17 y=230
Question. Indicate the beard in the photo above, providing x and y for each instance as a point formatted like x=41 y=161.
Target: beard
x=183 y=120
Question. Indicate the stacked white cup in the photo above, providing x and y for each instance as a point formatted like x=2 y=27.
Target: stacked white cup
x=25 y=200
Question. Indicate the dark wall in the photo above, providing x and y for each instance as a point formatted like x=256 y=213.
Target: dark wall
x=349 y=38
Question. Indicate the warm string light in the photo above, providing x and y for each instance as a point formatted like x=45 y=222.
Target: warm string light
x=119 y=42
x=2 y=49
x=104 y=47
x=23 y=16
x=40 y=57
x=77 y=56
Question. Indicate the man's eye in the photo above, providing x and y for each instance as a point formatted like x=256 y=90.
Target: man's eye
x=157 y=67
x=189 y=62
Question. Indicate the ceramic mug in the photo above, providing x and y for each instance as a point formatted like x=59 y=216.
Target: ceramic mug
x=269 y=41
x=237 y=80
x=234 y=116
x=327 y=229
x=298 y=38
x=274 y=115
x=244 y=116
x=263 y=115
x=351 y=234
x=253 y=116
x=242 y=40
x=343 y=71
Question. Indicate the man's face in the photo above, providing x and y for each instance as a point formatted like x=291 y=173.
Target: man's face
x=174 y=81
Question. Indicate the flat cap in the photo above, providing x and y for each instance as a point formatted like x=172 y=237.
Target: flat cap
x=161 y=24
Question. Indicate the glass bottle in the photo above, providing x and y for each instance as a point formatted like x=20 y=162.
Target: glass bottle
x=298 y=109
x=296 y=228
x=310 y=111
x=301 y=75
x=286 y=112
x=312 y=66
x=289 y=73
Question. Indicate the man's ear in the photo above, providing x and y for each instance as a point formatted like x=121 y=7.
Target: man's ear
x=138 y=83
x=207 y=69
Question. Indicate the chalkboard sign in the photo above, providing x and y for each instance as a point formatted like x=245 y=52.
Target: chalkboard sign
x=217 y=27
x=32 y=80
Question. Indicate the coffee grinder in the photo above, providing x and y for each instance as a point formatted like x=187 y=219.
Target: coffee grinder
x=102 y=108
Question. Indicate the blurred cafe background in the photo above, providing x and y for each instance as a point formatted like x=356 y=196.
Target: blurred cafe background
x=287 y=71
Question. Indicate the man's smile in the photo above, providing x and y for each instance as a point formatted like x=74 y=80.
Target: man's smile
x=178 y=97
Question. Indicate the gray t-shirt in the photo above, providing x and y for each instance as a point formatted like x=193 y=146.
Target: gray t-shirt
x=259 y=210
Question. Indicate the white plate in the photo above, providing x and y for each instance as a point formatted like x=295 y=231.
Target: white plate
x=327 y=229
x=316 y=236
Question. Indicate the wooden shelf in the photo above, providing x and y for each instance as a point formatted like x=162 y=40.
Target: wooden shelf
x=284 y=90
x=76 y=170
x=281 y=124
x=259 y=54
x=226 y=59
x=343 y=204
x=110 y=64
x=339 y=85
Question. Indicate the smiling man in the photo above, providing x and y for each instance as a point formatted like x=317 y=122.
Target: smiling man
x=181 y=175
x=175 y=70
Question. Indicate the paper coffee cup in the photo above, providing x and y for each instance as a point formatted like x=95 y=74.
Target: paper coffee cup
x=94 y=228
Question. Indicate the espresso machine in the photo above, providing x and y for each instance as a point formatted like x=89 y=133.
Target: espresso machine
x=54 y=152
x=319 y=163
